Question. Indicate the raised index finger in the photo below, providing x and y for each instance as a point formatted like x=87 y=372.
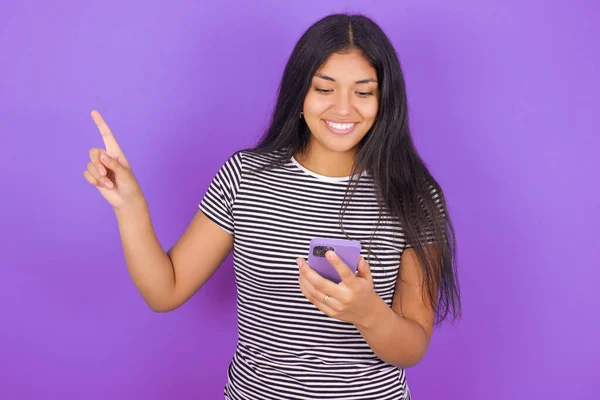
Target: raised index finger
x=112 y=147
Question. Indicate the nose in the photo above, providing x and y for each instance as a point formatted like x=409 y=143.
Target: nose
x=343 y=105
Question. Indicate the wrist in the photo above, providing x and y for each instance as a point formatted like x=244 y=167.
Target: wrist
x=376 y=312
x=134 y=208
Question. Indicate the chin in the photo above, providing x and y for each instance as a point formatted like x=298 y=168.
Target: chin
x=338 y=145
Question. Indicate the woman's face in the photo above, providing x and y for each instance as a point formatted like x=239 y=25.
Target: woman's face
x=342 y=102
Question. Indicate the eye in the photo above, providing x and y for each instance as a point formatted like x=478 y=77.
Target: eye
x=325 y=91
x=364 y=94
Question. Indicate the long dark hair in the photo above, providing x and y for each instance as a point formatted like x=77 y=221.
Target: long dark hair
x=405 y=187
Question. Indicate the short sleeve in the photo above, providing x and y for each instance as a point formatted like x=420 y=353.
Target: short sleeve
x=427 y=235
x=217 y=203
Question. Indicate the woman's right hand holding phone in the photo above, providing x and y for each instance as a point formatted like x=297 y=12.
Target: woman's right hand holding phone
x=110 y=171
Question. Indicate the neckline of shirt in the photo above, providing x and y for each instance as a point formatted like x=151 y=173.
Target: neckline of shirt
x=320 y=177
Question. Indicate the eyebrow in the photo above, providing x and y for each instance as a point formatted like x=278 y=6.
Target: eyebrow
x=328 y=78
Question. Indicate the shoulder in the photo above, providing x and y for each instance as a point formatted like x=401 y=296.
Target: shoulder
x=247 y=164
x=251 y=160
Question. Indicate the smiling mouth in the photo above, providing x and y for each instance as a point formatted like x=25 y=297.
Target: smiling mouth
x=340 y=128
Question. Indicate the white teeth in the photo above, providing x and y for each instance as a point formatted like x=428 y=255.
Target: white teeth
x=341 y=127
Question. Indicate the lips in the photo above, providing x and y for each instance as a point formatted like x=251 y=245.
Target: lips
x=340 y=128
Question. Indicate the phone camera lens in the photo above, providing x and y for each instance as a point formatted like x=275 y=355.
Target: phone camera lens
x=319 y=251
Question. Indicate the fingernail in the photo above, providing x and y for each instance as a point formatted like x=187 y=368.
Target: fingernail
x=108 y=184
x=104 y=157
x=330 y=255
x=299 y=262
x=101 y=170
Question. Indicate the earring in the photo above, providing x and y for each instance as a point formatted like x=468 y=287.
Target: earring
x=300 y=116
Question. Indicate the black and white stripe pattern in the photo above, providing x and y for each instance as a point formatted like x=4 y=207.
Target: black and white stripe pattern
x=287 y=348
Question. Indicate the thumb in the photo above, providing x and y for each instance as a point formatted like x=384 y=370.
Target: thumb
x=364 y=270
x=113 y=164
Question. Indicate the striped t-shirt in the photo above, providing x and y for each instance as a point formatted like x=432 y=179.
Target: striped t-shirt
x=287 y=348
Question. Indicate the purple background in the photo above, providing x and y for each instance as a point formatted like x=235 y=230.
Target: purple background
x=503 y=100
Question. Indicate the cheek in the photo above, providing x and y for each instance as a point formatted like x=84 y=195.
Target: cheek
x=315 y=105
x=369 y=110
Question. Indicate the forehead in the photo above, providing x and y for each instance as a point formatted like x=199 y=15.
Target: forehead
x=347 y=66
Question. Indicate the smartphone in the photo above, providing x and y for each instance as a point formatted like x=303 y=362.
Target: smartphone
x=347 y=250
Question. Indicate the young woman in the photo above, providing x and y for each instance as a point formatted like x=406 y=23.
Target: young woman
x=337 y=161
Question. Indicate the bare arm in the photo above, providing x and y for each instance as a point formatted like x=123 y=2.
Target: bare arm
x=168 y=280
x=400 y=334
x=149 y=266
x=196 y=256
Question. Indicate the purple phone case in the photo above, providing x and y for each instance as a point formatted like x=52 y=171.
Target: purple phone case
x=347 y=250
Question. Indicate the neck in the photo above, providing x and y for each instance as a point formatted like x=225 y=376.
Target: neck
x=326 y=162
